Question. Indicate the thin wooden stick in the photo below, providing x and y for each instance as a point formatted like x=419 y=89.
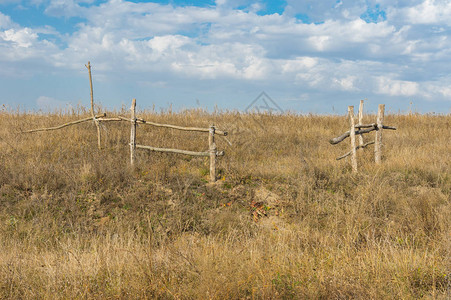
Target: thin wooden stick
x=352 y=131
x=358 y=147
x=181 y=127
x=99 y=145
x=212 y=151
x=193 y=153
x=345 y=135
x=125 y=119
x=378 y=138
x=360 y=123
x=110 y=119
x=133 y=133
x=63 y=125
x=365 y=125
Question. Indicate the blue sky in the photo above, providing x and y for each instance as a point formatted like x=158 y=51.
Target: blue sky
x=308 y=56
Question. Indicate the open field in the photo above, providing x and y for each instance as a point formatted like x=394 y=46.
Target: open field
x=286 y=220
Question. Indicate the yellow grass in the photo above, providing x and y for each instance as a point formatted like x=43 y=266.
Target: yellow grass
x=286 y=220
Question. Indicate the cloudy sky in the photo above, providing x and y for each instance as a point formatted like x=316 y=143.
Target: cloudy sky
x=308 y=56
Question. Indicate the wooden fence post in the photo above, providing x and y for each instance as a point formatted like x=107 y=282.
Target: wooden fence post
x=212 y=150
x=360 y=123
x=378 y=139
x=88 y=66
x=133 y=133
x=352 y=136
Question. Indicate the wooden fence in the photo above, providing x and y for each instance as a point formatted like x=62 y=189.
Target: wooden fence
x=212 y=151
x=360 y=129
x=355 y=130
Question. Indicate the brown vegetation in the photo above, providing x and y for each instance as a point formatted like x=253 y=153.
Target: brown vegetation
x=285 y=220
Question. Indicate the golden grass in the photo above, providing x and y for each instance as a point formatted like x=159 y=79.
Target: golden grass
x=286 y=220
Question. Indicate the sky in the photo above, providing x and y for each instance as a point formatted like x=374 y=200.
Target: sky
x=307 y=56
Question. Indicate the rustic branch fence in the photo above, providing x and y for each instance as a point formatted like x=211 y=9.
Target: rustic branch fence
x=361 y=129
x=212 y=152
x=212 y=149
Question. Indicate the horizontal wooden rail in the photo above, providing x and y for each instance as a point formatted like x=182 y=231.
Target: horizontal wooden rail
x=356 y=148
x=365 y=125
x=64 y=125
x=181 y=127
x=368 y=129
x=178 y=151
x=109 y=119
x=193 y=153
x=141 y=121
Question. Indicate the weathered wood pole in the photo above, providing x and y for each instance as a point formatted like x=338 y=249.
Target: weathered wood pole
x=352 y=136
x=133 y=133
x=360 y=123
x=212 y=150
x=88 y=66
x=378 y=139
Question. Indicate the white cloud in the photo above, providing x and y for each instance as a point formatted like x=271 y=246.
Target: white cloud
x=445 y=91
x=167 y=43
x=65 y=8
x=397 y=87
x=346 y=83
x=421 y=12
x=430 y=12
x=239 y=61
x=22 y=38
x=5 y=21
x=320 y=43
x=298 y=64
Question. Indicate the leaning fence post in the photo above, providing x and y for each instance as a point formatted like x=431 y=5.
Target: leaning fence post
x=133 y=133
x=352 y=136
x=360 y=123
x=88 y=66
x=212 y=150
x=378 y=139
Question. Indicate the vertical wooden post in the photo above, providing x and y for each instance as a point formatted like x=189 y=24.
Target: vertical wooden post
x=360 y=123
x=133 y=133
x=88 y=66
x=212 y=150
x=352 y=136
x=378 y=140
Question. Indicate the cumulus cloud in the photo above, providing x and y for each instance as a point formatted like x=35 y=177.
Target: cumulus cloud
x=393 y=87
x=23 y=38
x=428 y=12
x=5 y=21
x=346 y=83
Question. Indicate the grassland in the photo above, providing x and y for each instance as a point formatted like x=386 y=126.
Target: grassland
x=285 y=220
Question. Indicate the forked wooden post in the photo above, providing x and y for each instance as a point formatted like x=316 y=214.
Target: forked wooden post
x=88 y=66
x=352 y=136
x=212 y=150
x=133 y=133
x=378 y=139
x=360 y=123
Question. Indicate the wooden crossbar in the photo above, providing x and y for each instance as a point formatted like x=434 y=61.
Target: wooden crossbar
x=64 y=125
x=369 y=128
x=192 y=153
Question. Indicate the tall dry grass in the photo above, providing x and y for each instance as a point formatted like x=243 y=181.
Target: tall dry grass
x=286 y=220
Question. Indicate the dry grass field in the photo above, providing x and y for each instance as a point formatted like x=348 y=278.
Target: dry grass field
x=285 y=220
